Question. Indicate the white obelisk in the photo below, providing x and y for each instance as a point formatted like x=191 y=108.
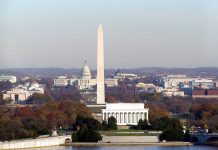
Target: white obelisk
x=100 y=68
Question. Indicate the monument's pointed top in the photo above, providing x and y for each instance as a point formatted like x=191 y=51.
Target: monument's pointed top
x=100 y=27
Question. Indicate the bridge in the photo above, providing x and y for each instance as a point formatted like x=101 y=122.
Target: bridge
x=200 y=138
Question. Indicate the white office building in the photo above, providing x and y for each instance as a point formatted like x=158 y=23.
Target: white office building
x=170 y=92
x=61 y=81
x=148 y=87
x=12 y=79
x=120 y=76
x=174 y=81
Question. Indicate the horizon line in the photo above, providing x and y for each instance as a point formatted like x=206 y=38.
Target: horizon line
x=11 y=68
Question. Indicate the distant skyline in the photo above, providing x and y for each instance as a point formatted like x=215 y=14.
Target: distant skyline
x=139 y=33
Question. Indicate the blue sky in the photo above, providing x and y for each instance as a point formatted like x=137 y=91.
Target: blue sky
x=137 y=33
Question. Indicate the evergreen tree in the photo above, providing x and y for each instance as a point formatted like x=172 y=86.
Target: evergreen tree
x=112 y=123
x=142 y=125
x=187 y=136
x=172 y=129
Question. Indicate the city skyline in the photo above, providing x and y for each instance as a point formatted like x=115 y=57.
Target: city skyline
x=137 y=34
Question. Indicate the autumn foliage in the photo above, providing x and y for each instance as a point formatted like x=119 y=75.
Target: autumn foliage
x=31 y=121
x=204 y=115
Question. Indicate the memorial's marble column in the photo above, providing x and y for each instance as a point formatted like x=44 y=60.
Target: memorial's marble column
x=127 y=115
x=130 y=121
x=138 y=116
x=146 y=116
x=124 y=117
x=133 y=114
x=143 y=116
x=106 y=117
x=133 y=117
x=120 y=117
x=116 y=116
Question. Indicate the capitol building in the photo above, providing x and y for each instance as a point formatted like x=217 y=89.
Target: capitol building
x=85 y=81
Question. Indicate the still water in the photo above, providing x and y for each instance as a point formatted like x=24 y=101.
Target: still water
x=132 y=148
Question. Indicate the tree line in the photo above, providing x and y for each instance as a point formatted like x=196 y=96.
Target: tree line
x=31 y=121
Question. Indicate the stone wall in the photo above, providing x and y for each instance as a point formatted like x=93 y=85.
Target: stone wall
x=31 y=143
x=130 y=139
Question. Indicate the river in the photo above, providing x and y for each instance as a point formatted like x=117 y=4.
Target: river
x=131 y=148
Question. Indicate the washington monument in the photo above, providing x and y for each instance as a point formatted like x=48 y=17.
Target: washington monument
x=100 y=68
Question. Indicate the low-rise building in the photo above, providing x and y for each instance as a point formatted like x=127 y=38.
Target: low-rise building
x=61 y=81
x=205 y=93
x=12 y=79
x=148 y=87
x=186 y=89
x=120 y=76
x=110 y=82
x=176 y=81
x=23 y=92
x=203 y=83
x=172 y=92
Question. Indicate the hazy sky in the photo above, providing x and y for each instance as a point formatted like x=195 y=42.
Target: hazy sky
x=137 y=33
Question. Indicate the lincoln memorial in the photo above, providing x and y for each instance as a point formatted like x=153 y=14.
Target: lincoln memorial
x=125 y=113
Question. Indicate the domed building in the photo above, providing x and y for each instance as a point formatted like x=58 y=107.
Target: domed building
x=34 y=86
x=86 y=81
x=86 y=74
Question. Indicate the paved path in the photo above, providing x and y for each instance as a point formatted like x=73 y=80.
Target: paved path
x=130 y=144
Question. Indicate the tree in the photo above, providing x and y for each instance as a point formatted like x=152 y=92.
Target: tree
x=66 y=93
x=5 y=101
x=112 y=123
x=83 y=134
x=104 y=125
x=38 y=98
x=187 y=136
x=74 y=137
x=161 y=124
x=5 y=85
x=92 y=136
x=174 y=134
x=90 y=123
x=172 y=129
x=142 y=125
x=156 y=112
x=13 y=127
x=1 y=99
x=204 y=113
x=111 y=99
x=31 y=121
